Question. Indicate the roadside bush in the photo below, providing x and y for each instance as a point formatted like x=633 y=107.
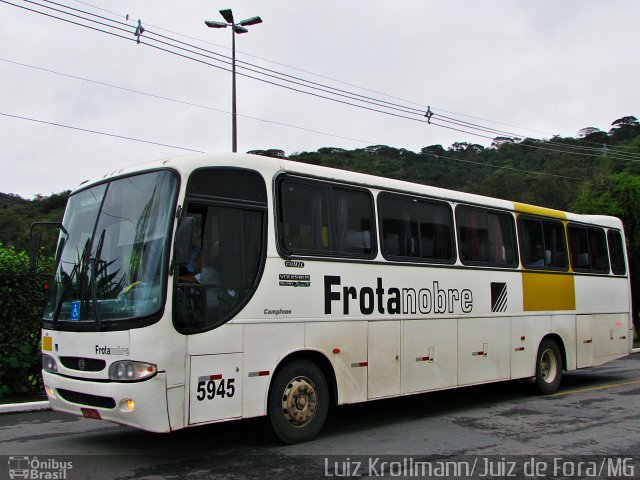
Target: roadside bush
x=21 y=306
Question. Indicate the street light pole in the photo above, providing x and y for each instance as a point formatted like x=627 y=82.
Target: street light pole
x=235 y=28
x=234 y=117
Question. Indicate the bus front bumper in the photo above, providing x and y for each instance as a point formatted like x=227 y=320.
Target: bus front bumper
x=140 y=404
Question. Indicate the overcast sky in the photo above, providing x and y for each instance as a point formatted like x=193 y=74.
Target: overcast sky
x=540 y=68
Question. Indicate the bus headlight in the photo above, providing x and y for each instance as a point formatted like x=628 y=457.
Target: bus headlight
x=129 y=371
x=49 y=363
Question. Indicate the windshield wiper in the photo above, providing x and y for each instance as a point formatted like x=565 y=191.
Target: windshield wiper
x=94 y=276
x=83 y=261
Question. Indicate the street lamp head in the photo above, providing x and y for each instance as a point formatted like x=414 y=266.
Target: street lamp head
x=239 y=29
x=250 y=21
x=227 y=15
x=214 y=24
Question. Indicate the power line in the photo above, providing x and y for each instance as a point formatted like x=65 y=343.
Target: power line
x=350 y=94
x=423 y=106
x=583 y=150
x=218 y=66
x=261 y=70
x=183 y=102
x=498 y=167
x=504 y=167
x=99 y=132
x=362 y=99
x=66 y=20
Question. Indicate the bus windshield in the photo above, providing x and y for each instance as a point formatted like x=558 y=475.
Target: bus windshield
x=111 y=257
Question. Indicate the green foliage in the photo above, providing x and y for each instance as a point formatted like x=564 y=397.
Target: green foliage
x=21 y=305
x=17 y=215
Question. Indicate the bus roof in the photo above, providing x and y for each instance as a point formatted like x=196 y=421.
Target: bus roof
x=269 y=167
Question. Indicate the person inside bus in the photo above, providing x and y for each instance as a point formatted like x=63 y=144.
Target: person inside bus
x=194 y=272
x=190 y=273
x=537 y=257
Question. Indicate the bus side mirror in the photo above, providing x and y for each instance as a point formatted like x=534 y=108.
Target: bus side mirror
x=35 y=242
x=34 y=249
x=184 y=240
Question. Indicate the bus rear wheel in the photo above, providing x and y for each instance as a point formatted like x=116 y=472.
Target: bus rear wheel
x=548 y=367
x=298 y=402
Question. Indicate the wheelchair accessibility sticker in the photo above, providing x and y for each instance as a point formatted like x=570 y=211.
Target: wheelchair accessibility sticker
x=75 y=311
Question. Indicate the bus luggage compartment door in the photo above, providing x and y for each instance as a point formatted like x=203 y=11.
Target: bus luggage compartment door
x=215 y=387
x=384 y=359
x=584 y=341
x=483 y=349
x=611 y=334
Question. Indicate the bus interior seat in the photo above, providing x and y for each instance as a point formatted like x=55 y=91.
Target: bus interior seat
x=392 y=244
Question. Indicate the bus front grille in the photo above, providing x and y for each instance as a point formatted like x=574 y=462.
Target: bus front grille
x=83 y=364
x=87 y=399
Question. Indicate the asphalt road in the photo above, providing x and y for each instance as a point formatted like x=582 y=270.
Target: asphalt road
x=594 y=418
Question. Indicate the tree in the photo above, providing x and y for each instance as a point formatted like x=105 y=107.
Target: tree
x=593 y=134
x=585 y=132
x=272 y=152
x=625 y=128
x=500 y=141
x=433 y=150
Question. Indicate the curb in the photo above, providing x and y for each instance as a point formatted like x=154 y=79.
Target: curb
x=24 y=407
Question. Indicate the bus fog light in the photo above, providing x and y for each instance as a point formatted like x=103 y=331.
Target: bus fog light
x=50 y=391
x=49 y=363
x=127 y=405
x=130 y=371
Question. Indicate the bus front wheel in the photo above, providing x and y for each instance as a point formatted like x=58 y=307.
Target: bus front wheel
x=548 y=367
x=298 y=402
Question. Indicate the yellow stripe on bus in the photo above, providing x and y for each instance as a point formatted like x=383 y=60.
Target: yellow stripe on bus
x=542 y=211
x=547 y=291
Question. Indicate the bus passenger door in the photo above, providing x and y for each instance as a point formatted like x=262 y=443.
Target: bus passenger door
x=384 y=359
x=215 y=387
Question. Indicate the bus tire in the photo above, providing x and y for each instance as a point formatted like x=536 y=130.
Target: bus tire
x=548 y=367
x=298 y=402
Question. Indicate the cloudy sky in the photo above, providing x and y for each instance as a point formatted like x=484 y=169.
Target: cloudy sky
x=531 y=68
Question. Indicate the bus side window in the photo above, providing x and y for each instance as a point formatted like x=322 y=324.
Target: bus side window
x=416 y=229
x=616 y=251
x=353 y=219
x=598 y=250
x=542 y=243
x=305 y=217
x=486 y=237
x=588 y=249
x=325 y=219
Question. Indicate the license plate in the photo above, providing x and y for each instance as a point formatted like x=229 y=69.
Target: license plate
x=91 y=413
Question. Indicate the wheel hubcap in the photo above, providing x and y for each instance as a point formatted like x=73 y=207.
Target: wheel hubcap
x=548 y=366
x=299 y=401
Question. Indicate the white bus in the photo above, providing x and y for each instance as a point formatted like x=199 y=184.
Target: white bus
x=209 y=288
